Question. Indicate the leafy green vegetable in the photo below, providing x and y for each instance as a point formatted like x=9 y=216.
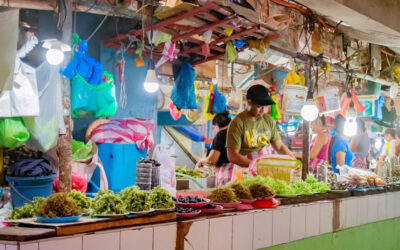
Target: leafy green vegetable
x=135 y=200
x=106 y=202
x=28 y=210
x=160 y=198
x=83 y=202
x=191 y=172
x=59 y=205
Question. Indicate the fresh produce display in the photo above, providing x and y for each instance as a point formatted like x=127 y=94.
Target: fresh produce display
x=185 y=210
x=161 y=198
x=241 y=191
x=191 y=172
x=260 y=190
x=83 y=202
x=59 y=205
x=317 y=186
x=107 y=203
x=341 y=185
x=188 y=199
x=28 y=210
x=135 y=200
x=223 y=195
x=393 y=179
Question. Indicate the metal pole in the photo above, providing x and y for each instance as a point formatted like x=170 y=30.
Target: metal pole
x=64 y=149
x=306 y=130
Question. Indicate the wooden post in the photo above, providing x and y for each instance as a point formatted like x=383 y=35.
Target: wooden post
x=306 y=130
x=64 y=150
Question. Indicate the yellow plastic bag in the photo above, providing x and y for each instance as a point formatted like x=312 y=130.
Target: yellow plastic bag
x=294 y=78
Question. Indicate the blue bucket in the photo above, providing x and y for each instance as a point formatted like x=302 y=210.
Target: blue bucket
x=24 y=189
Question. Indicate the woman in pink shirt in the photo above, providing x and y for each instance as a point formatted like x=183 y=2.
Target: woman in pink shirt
x=319 y=145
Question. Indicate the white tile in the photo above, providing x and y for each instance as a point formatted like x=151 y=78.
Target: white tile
x=397 y=202
x=262 y=229
x=373 y=207
x=390 y=205
x=164 y=237
x=2 y=247
x=30 y=246
x=62 y=244
x=312 y=219
x=326 y=217
x=197 y=238
x=242 y=237
x=101 y=241
x=281 y=225
x=362 y=210
x=351 y=206
x=297 y=222
x=137 y=239
x=11 y=247
x=381 y=199
x=220 y=234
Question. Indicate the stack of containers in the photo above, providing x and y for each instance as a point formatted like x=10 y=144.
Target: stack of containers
x=155 y=178
x=144 y=169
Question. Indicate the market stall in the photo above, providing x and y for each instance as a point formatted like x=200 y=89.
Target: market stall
x=196 y=125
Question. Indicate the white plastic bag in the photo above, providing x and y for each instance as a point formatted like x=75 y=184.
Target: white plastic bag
x=44 y=128
x=167 y=169
x=235 y=101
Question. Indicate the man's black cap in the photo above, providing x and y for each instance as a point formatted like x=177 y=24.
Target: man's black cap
x=259 y=95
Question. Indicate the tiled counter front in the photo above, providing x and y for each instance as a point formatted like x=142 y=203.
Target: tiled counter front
x=245 y=230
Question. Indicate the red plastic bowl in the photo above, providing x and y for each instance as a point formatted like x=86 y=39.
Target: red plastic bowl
x=194 y=205
x=218 y=209
x=269 y=202
x=243 y=207
x=247 y=201
x=188 y=215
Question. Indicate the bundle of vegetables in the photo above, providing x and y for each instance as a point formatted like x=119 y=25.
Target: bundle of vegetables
x=260 y=190
x=223 y=195
x=28 y=210
x=317 y=186
x=241 y=191
x=83 y=202
x=135 y=200
x=107 y=203
x=160 y=198
x=191 y=172
x=59 y=205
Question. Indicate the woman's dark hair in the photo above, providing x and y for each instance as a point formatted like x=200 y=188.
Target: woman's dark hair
x=221 y=120
x=322 y=119
x=360 y=124
x=391 y=132
x=339 y=129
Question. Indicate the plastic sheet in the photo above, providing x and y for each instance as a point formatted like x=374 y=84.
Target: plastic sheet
x=183 y=93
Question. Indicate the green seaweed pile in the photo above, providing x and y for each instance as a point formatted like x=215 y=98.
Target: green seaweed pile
x=59 y=205
x=260 y=190
x=28 y=210
x=241 y=191
x=107 y=203
x=223 y=195
x=135 y=200
x=160 y=198
x=83 y=202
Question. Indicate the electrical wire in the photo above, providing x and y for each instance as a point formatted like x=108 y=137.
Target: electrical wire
x=98 y=27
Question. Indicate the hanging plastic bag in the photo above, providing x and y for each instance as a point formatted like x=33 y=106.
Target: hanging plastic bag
x=93 y=100
x=183 y=93
x=295 y=79
x=219 y=104
x=44 y=129
x=174 y=112
x=167 y=169
x=230 y=52
x=80 y=150
x=274 y=111
x=379 y=103
x=13 y=132
x=388 y=116
x=235 y=101
x=208 y=103
x=78 y=183
x=170 y=53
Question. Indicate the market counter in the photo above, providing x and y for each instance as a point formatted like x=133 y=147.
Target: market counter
x=253 y=229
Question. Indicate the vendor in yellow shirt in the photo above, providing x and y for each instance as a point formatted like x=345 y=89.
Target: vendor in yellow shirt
x=251 y=133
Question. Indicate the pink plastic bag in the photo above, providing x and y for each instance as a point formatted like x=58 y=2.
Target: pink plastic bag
x=78 y=183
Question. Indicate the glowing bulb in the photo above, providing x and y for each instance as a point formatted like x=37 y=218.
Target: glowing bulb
x=151 y=84
x=350 y=127
x=54 y=56
x=309 y=112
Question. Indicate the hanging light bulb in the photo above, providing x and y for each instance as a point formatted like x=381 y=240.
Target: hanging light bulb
x=309 y=111
x=151 y=84
x=350 y=126
x=56 y=49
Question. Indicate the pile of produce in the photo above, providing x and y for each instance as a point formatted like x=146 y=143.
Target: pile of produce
x=341 y=185
x=188 y=199
x=59 y=205
x=135 y=200
x=260 y=190
x=191 y=172
x=28 y=210
x=107 y=203
x=185 y=210
x=84 y=203
x=241 y=191
x=161 y=198
x=223 y=195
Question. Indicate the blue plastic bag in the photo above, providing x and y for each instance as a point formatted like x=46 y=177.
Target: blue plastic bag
x=219 y=102
x=183 y=94
x=378 y=108
x=84 y=65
